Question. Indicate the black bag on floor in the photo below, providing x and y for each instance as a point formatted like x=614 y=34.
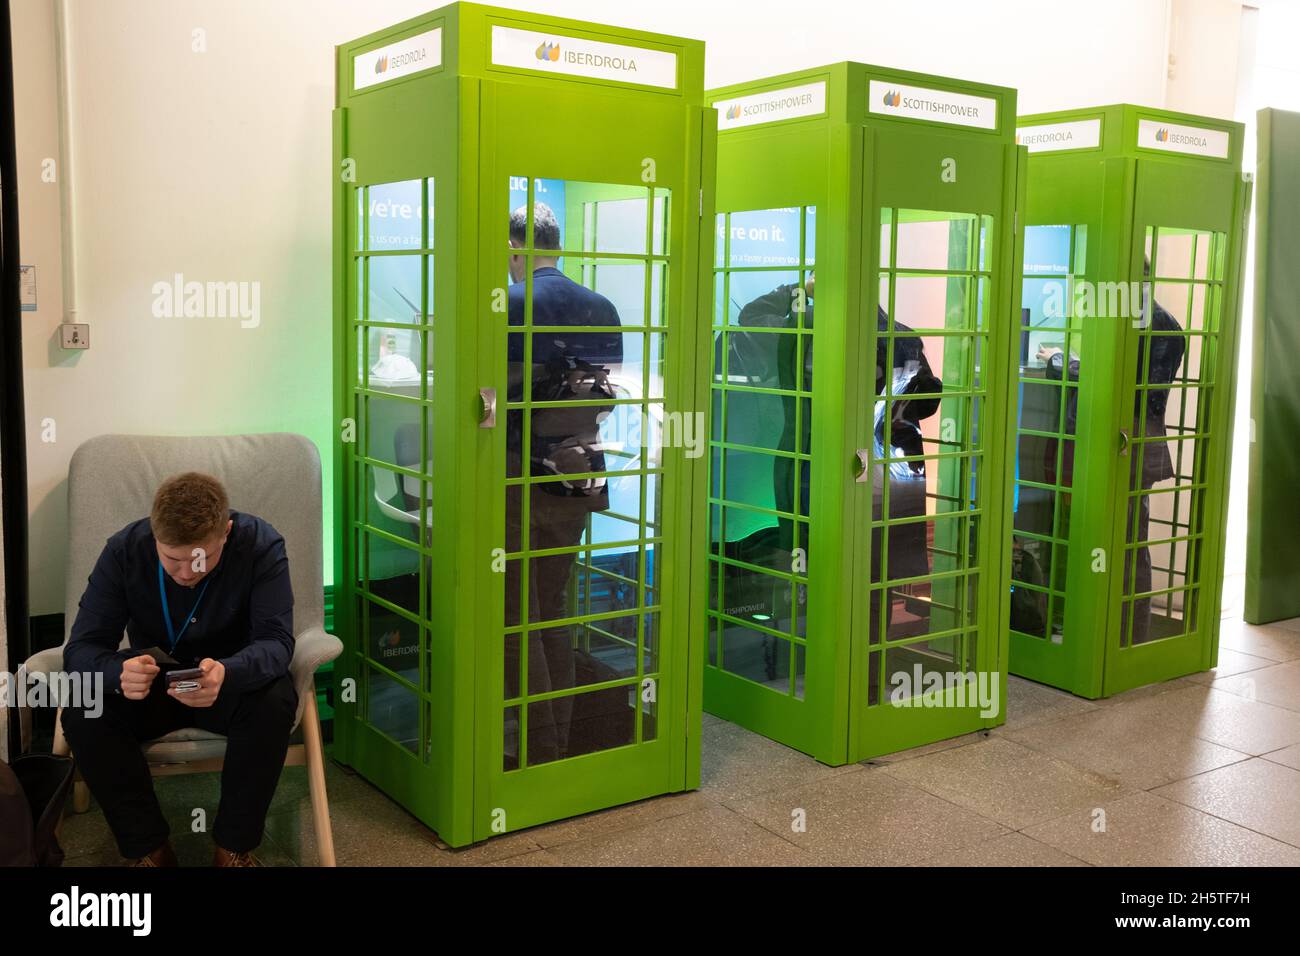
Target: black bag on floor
x=32 y=794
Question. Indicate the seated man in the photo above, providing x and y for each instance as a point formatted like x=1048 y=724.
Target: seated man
x=210 y=588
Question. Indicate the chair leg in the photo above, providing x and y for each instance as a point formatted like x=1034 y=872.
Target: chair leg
x=60 y=748
x=320 y=808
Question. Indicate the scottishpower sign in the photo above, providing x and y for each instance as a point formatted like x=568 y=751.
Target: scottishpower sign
x=887 y=98
x=791 y=102
x=574 y=56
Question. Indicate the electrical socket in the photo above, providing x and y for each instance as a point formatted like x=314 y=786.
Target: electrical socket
x=74 y=336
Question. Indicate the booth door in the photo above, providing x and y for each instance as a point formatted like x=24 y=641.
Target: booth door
x=584 y=279
x=1173 y=438
x=931 y=439
x=1051 y=370
x=765 y=670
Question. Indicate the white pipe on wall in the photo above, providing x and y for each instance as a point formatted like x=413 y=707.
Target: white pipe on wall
x=67 y=189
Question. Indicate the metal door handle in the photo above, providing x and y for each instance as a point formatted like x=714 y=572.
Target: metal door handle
x=487 y=416
x=862 y=468
x=1123 y=442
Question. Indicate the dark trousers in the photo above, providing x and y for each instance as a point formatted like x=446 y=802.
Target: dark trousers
x=553 y=522
x=255 y=723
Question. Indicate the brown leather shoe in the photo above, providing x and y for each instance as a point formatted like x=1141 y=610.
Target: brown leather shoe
x=163 y=856
x=224 y=857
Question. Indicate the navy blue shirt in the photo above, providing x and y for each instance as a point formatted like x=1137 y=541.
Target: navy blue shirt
x=245 y=619
x=559 y=301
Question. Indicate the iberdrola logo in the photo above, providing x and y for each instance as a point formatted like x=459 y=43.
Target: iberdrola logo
x=549 y=51
x=893 y=98
x=381 y=64
x=391 y=639
x=1162 y=135
x=733 y=111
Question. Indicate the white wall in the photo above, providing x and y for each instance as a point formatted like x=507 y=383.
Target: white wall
x=216 y=165
x=1271 y=78
x=1204 y=39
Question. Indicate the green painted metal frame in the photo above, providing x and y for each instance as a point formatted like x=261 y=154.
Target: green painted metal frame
x=850 y=163
x=1117 y=190
x=465 y=124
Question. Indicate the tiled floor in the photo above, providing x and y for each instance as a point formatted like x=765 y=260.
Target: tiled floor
x=1204 y=770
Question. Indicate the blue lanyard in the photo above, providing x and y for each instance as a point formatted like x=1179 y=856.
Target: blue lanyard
x=167 y=614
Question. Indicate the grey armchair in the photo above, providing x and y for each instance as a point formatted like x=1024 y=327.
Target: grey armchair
x=111 y=482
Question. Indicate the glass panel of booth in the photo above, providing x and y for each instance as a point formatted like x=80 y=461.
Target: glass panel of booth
x=585 y=420
x=1177 y=329
x=925 y=447
x=760 y=444
x=1051 y=344
x=394 y=276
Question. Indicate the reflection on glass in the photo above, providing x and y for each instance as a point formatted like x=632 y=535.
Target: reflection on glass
x=925 y=438
x=395 y=216
x=761 y=430
x=394 y=287
x=1050 y=345
x=1160 y=576
x=392 y=708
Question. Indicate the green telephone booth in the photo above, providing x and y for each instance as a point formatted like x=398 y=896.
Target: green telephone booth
x=858 y=503
x=522 y=216
x=1135 y=225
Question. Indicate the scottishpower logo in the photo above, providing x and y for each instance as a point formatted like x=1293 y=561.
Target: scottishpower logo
x=733 y=111
x=549 y=52
x=892 y=98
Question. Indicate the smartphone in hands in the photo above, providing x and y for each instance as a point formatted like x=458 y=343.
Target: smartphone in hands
x=184 y=681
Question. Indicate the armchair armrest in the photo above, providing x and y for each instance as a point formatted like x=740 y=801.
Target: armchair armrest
x=312 y=648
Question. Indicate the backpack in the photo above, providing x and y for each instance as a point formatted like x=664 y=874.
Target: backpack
x=32 y=794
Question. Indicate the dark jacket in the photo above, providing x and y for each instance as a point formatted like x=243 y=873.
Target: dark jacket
x=245 y=619
x=1166 y=357
x=565 y=366
x=758 y=361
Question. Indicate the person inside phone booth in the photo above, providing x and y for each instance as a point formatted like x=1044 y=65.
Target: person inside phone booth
x=561 y=441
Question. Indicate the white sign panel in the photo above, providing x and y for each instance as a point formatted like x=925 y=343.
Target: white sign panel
x=772 y=105
x=938 y=106
x=571 y=56
x=1050 y=137
x=27 y=288
x=402 y=58
x=1174 y=138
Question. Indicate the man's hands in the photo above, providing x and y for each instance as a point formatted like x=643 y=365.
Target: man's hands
x=214 y=675
x=137 y=677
